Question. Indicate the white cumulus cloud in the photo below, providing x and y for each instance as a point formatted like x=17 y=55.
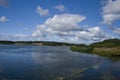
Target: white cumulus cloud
x=66 y=28
x=41 y=11
x=117 y=30
x=111 y=11
x=64 y=22
x=3 y=19
x=59 y=24
x=60 y=7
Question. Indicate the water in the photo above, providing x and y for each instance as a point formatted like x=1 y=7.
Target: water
x=54 y=63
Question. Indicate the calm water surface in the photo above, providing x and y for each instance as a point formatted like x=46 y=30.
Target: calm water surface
x=54 y=63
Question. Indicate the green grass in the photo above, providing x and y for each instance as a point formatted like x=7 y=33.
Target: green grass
x=110 y=52
x=107 y=52
x=81 y=49
x=108 y=48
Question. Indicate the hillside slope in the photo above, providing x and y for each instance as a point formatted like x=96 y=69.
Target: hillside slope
x=109 y=48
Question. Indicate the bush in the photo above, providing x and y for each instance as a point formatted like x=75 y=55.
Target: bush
x=81 y=49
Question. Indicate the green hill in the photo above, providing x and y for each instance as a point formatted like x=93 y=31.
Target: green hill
x=107 y=43
x=109 y=48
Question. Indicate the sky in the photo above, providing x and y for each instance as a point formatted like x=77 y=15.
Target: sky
x=72 y=21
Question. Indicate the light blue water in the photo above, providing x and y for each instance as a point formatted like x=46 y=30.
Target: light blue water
x=54 y=63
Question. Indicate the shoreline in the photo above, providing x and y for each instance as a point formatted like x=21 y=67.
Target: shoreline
x=107 y=48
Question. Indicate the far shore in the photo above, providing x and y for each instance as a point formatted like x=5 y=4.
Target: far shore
x=107 y=48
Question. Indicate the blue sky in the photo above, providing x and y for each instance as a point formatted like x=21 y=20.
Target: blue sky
x=74 y=21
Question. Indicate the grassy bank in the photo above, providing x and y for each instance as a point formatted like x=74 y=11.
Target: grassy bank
x=110 y=52
x=108 y=48
x=86 y=49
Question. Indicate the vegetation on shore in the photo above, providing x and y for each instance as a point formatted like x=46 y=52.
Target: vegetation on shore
x=81 y=48
x=107 y=51
x=108 y=48
x=6 y=42
x=36 y=43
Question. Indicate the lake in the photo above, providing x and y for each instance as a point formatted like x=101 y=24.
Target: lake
x=54 y=63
